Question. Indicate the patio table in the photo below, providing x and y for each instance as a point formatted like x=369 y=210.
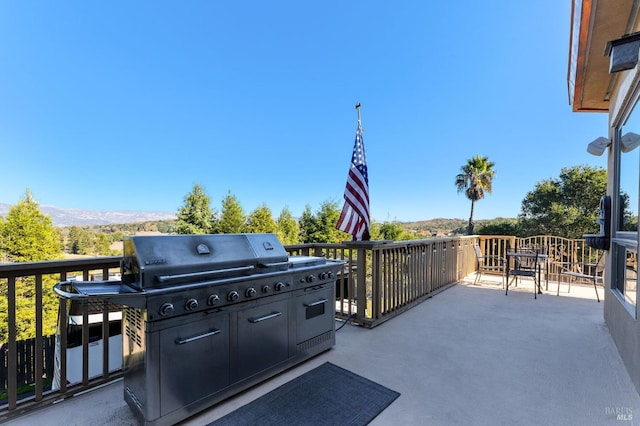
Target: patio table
x=541 y=259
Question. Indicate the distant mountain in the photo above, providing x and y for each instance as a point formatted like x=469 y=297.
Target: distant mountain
x=70 y=217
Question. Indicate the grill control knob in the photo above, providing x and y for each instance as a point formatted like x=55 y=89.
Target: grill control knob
x=213 y=299
x=279 y=286
x=266 y=289
x=311 y=279
x=330 y=274
x=250 y=292
x=191 y=305
x=233 y=296
x=323 y=275
x=166 y=309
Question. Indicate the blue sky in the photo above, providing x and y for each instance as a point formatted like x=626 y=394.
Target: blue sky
x=126 y=105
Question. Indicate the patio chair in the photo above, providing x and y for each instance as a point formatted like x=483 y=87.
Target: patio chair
x=489 y=264
x=528 y=266
x=596 y=277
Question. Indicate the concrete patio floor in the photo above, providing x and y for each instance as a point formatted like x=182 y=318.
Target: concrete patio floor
x=468 y=356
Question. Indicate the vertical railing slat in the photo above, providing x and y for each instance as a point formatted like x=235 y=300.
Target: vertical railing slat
x=12 y=362
x=105 y=331
x=39 y=363
x=63 y=324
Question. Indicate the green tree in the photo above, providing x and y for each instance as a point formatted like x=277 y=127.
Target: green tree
x=475 y=179
x=261 y=221
x=3 y=256
x=307 y=224
x=195 y=216
x=567 y=206
x=321 y=226
x=73 y=235
x=392 y=231
x=499 y=227
x=102 y=244
x=27 y=235
x=232 y=219
x=287 y=228
x=81 y=241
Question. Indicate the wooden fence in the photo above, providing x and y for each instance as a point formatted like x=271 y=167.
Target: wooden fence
x=26 y=355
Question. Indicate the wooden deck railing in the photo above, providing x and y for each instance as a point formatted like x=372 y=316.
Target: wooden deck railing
x=567 y=253
x=13 y=403
x=380 y=280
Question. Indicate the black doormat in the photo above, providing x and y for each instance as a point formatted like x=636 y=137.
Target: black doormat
x=326 y=395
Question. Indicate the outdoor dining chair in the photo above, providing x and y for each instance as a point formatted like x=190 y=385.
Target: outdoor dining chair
x=577 y=272
x=491 y=264
x=526 y=264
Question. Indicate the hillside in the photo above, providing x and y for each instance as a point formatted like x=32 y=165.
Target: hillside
x=140 y=221
x=442 y=226
x=62 y=217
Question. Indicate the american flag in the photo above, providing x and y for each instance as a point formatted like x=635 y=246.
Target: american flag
x=354 y=218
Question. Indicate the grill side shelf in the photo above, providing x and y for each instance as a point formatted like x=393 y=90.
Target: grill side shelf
x=112 y=291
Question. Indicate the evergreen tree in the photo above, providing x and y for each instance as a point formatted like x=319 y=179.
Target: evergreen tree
x=232 y=219
x=85 y=243
x=102 y=244
x=261 y=221
x=73 y=236
x=3 y=256
x=27 y=235
x=287 y=228
x=321 y=227
x=307 y=224
x=195 y=216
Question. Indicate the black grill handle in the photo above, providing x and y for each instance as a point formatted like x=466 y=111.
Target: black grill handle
x=274 y=264
x=168 y=279
x=264 y=318
x=180 y=341
x=319 y=302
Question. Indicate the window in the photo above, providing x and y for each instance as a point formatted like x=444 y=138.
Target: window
x=630 y=291
x=627 y=275
x=629 y=178
x=625 y=242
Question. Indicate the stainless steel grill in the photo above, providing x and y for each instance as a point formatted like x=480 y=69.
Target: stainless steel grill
x=208 y=316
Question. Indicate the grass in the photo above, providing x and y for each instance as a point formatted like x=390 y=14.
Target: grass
x=25 y=389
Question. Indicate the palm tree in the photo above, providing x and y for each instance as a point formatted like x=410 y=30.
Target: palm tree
x=474 y=181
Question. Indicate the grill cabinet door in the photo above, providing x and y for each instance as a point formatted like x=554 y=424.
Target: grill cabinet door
x=194 y=361
x=263 y=338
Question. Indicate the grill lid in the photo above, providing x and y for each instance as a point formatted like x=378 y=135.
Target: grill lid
x=168 y=260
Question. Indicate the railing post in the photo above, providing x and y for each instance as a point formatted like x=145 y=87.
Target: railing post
x=38 y=355
x=376 y=291
x=12 y=361
x=361 y=248
x=361 y=274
